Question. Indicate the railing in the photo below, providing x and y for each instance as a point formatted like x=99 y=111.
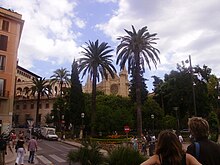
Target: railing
x=4 y=94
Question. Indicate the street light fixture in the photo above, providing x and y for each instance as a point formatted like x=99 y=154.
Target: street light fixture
x=152 y=117
x=81 y=131
x=193 y=88
x=177 y=118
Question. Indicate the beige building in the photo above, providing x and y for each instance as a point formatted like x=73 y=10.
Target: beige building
x=25 y=103
x=117 y=86
x=11 y=25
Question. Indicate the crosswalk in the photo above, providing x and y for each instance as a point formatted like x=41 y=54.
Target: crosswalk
x=51 y=159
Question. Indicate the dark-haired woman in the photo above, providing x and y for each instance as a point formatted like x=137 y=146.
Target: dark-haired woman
x=169 y=152
x=20 y=151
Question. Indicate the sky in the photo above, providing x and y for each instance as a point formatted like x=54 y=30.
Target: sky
x=55 y=31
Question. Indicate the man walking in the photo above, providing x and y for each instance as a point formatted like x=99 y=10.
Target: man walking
x=32 y=147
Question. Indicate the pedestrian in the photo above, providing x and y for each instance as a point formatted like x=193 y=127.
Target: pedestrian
x=169 y=151
x=13 y=138
x=32 y=148
x=205 y=150
x=20 y=149
x=180 y=138
x=135 y=143
x=144 y=144
x=3 y=146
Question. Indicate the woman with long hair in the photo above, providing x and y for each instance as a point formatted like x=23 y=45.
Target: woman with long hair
x=169 y=152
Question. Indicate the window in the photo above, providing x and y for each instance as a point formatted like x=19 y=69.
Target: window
x=32 y=105
x=24 y=106
x=47 y=105
x=2 y=62
x=2 y=87
x=3 y=42
x=5 y=25
x=17 y=106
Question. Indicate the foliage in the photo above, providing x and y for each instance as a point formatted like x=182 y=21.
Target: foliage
x=132 y=89
x=60 y=76
x=213 y=126
x=41 y=87
x=152 y=107
x=137 y=49
x=124 y=156
x=89 y=154
x=75 y=101
x=96 y=62
x=113 y=112
x=176 y=91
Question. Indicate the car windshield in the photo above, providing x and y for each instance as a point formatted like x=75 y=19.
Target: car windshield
x=51 y=132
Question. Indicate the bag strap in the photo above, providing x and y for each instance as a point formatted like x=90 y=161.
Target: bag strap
x=197 y=149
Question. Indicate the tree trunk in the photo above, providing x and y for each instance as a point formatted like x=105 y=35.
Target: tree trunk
x=37 y=111
x=138 y=96
x=93 y=104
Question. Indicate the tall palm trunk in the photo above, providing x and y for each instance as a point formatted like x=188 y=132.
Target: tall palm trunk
x=138 y=96
x=93 y=104
x=38 y=107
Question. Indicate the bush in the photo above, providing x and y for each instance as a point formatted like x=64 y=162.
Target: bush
x=89 y=154
x=124 y=156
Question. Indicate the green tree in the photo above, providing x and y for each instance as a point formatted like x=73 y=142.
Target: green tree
x=132 y=87
x=96 y=62
x=76 y=98
x=137 y=49
x=41 y=87
x=60 y=76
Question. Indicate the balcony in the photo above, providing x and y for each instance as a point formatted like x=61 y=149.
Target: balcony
x=4 y=95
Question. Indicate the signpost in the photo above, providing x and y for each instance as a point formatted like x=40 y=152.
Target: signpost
x=30 y=123
x=127 y=130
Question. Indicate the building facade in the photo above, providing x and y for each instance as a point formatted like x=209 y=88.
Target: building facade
x=25 y=103
x=11 y=25
x=119 y=85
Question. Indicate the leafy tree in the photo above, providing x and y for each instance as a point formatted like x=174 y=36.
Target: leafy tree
x=113 y=113
x=60 y=76
x=132 y=87
x=136 y=49
x=152 y=107
x=96 y=62
x=213 y=125
x=76 y=103
x=41 y=87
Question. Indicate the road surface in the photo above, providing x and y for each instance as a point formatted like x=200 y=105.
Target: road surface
x=50 y=153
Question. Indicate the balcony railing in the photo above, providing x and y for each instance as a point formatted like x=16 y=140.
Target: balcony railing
x=4 y=94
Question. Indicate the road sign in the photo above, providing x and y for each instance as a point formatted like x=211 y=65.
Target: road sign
x=126 y=129
x=30 y=122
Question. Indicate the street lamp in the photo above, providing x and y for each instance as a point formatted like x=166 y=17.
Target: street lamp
x=177 y=117
x=193 y=88
x=81 y=131
x=152 y=117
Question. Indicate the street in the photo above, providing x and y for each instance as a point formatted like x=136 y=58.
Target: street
x=50 y=153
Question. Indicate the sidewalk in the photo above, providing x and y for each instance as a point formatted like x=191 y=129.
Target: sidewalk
x=10 y=157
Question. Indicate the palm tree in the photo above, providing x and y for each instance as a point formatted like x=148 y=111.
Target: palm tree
x=97 y=63
x=41 y=87
x=60 y=76
x=136 y=49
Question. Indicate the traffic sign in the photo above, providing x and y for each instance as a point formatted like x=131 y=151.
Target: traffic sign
x=126 y=129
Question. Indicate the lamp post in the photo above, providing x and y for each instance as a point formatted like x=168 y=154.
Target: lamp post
x=193 y=88
x=177 y=118
x=81 y=131
x=152 y=117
